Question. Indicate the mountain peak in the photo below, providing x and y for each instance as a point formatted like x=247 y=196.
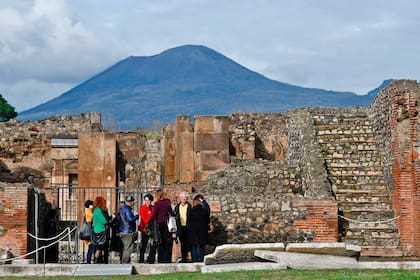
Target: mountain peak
x=185 y=80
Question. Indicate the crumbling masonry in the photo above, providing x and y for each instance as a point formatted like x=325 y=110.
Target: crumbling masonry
x=308 y=175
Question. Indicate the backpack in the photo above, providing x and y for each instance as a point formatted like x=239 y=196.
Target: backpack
x=115 y=222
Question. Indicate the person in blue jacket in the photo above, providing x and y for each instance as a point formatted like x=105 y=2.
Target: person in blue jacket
x=128 y=232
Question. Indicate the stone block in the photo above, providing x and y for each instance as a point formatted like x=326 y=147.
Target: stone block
x=239 y=253
x=207 y=124
x=326 y=248
x=211 y=141
x=213 y=160
x=308 y=261
x=182 y=124
x=241 y=266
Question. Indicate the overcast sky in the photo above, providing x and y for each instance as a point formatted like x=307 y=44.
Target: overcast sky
x=49 y=46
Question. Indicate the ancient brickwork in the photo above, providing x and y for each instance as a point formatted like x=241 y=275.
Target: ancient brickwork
x=256 y=202
x=314 y=174
x=321 y=219
x=257 y=135
x=355 y=170
x=400 y=102
x=27 y=145
x=305 y=151
x=13 y=217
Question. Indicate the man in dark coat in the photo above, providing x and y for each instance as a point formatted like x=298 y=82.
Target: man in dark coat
x=198 y=235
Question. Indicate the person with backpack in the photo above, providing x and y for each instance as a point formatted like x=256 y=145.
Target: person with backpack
x=128 y=233
x=100 y=233
x=116 y=243
x=88 y=219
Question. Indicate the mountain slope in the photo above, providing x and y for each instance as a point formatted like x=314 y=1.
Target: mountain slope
x=180 y=81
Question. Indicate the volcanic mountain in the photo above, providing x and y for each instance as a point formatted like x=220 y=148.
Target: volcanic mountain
x=186 y=80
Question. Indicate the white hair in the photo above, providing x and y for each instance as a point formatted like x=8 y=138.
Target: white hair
x=183 y=193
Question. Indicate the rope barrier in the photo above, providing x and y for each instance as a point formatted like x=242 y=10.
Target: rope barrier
x=48 y=239
x=369 y=222
x=43 y=247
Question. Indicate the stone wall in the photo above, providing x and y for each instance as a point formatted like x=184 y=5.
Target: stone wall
x=305 y=152
x=257 y=135
x=398 y=128
x=25 y=147
x=257 y=203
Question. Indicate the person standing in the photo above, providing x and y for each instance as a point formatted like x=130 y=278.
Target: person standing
x=182 y=213
x=128 y=233
x=88 y=219
x=145 y=217
x=100 y=236
x=198 y=226
x=161 y=211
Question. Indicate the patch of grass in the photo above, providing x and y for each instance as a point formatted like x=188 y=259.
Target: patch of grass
x=291 y=274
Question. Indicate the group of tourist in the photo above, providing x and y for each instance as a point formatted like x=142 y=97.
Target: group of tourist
x=157 y=232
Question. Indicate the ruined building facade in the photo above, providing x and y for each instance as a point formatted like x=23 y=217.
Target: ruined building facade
x=308 y=175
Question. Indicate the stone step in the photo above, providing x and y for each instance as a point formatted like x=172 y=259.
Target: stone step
x=353 y=173
x=368 y=216
x=353 y=166
x=352 y=139
x=388 y=226
x=372 y=242
x=346 y=162
x=362 y=192
x=381 y=251
x=354 y=155
x=347 y=147
x=364 y=207
x=356 y=122
x=348 y=186
x=353 y=111
x=362 y=199
x=343 y=129
x=358 y=180
x=379 y=233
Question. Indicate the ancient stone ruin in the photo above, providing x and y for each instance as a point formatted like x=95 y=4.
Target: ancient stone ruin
x=307 y=175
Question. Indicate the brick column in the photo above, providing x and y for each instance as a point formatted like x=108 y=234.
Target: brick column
x=405 y=168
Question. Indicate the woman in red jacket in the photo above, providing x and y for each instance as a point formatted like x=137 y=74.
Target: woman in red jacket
x=145 y=216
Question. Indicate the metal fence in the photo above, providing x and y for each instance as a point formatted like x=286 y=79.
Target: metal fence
x=68 y=202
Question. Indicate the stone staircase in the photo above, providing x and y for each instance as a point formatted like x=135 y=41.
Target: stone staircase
x=355 y=170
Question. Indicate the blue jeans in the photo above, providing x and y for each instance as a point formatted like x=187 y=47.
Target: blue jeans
x=197 y=253
x=91 y=250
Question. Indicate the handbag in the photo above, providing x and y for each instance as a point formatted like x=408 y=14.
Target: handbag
x=172 y=224
x=98 y=239
x=86 y=231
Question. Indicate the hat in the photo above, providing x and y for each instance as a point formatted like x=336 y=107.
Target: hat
x=88 y=203
x=199 y=197
x=130 y=198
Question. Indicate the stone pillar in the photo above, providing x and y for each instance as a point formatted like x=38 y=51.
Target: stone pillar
x=97 y=165
x=168 y=154
x=184 y=150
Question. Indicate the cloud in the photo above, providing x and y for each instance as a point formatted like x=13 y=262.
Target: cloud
x=45 y=44
x=350 y=46
x=26 y=93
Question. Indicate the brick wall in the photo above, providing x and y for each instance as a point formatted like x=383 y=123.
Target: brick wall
x=395 y=111
x=321 y=219
x=13 y=217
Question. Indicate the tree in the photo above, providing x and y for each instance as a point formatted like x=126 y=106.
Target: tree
x=7 y=111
